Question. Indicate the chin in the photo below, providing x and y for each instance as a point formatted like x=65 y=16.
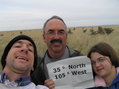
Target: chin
x=101 y=74
x=57 y=50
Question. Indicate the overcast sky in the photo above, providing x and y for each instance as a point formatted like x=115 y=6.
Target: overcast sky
x=31 y=14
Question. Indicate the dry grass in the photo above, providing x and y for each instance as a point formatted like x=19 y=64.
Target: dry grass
x=78 y=39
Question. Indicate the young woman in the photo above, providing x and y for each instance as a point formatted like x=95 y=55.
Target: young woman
x=105 y=64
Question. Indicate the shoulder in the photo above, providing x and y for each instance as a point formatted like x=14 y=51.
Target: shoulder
x=117 y=69
x=100 y=87
x=41 y=87
x=99 y=81
x=73 y=52
x=116 y=80
x=33 y=86
x=41 y=57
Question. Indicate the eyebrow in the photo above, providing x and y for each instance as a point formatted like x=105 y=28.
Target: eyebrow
x=100 y=57
x=20 y=42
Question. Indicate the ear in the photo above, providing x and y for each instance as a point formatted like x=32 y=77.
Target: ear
x=67 y=35
x=67 y=38
x=44 y=37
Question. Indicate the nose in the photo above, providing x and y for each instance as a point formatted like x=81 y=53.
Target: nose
x=24 y=49
x=56 y=35
x=97 y=64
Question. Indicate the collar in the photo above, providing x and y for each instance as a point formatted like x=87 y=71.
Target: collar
x=22 y=81
x=99 y=81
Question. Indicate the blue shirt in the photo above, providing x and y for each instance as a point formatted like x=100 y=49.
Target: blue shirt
x=23 y=81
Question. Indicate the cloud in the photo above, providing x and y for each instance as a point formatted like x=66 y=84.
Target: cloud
x=25 y=14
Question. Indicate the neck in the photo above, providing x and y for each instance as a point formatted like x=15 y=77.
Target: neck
x=13 y=75
x=109 y=78
x=56 y=55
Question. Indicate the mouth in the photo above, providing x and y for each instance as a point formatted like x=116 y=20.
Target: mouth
x=56 y=41
x=100 y=69
x=22 y=58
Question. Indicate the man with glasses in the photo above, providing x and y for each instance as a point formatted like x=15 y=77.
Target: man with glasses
x=55 y=36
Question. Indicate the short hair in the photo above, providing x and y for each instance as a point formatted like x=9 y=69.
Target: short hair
x=54 y=17
x=106 y=50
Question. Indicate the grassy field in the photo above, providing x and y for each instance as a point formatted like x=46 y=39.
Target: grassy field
x=79 y=38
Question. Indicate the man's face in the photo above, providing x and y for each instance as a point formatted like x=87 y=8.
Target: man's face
x=20 y=58
x=55 y=35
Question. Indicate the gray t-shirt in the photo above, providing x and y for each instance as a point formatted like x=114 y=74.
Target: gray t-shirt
x=49 y=60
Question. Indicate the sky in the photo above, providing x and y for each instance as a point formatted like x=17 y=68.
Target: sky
x=31 y=14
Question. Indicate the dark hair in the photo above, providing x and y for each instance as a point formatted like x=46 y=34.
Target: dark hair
x=106 y=50
x=54 y=17
x=10 y=44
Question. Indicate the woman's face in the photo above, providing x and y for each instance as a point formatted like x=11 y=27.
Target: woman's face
x=102 y=65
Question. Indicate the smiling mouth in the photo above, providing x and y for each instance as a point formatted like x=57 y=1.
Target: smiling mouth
x=22 y=58
x=99 y=69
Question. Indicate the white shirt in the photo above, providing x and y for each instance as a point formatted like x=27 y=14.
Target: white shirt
x=29 y=86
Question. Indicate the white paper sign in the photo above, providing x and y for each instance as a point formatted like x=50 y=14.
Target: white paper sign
x=71 y=73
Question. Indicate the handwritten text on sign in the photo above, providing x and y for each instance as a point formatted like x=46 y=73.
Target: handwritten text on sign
x=73 y=72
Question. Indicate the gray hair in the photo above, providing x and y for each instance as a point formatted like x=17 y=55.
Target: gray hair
x=54 y=17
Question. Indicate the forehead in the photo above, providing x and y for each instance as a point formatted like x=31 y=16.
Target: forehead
x=24 y=42
x=55 y=24
x=95 y=55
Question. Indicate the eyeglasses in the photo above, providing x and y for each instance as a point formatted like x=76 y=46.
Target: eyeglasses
x=52 y=32
x=99 y=60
